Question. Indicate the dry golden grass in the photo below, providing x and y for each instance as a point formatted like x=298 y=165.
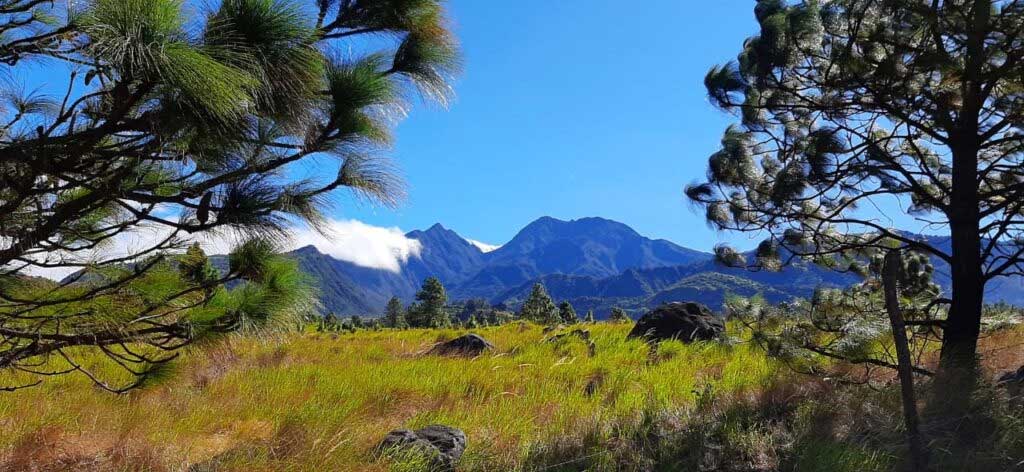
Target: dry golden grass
x=322 y=402
x=310 y=401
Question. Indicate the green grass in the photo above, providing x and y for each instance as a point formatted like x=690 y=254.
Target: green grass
x=318 y=401
x=313 y=401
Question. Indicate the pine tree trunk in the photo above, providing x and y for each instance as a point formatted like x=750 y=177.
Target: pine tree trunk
x=957 y=373
x=958 y=362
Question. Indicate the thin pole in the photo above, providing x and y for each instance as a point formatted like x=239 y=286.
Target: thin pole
x=891 y=274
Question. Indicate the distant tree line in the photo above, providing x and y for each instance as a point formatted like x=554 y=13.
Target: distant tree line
x=431 y=309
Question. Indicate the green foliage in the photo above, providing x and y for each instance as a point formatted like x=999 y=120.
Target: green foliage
x=430 y=311
x=847 y=106
x=849 y=324
x=394 y=314
x=567 y=314
x=618 y=315
x=196 y=267
x=161 y=305
x=184 y=127
x=590 y=317
x=147 y=39
x=270 y=35
x=539 y=308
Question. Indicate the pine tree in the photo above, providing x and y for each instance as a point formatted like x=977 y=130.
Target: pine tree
x=567 y=314
x=430 y=310
x=590 y=317
x=619 y=315
x=851 y=104
x=162 y=123
x=539 y=308
x=394 y=315
x=195 y=266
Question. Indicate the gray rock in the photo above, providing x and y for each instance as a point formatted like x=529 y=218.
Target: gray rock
x=468 y=345
x=687 y=322
x=1012 y=377
x=442 y=445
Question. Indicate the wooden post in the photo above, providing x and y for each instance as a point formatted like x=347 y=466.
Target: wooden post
x=891 y=274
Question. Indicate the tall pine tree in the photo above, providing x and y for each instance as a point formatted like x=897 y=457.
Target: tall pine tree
x=539 y=308
x=394 y=314
x=567 y=313
x=854 y=104
x=430 y=311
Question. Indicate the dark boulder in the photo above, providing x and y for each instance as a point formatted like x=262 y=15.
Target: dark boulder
x=442 y=445
x=468 y=345
x=687 y=322
x=582 y=333
x=1016 y=376
x=1013 y=382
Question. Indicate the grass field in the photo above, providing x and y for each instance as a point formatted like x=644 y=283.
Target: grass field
x=322 y=402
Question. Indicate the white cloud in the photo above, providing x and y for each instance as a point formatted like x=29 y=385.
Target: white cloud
x=361 y=244
x=347 y=240
x=483 y=246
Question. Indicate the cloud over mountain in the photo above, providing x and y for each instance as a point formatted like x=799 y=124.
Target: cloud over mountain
x=352 y=241
x=364 y=245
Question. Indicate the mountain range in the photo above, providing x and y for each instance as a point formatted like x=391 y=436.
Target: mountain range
x=594 y=263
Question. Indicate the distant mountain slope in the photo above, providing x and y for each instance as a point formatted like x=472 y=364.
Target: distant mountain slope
x=588 y=247
x=593 y=262
x=592 y=247
x=705 y=282
x=347 y=288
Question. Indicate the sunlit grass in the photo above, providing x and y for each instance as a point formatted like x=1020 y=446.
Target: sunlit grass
x=320 y=401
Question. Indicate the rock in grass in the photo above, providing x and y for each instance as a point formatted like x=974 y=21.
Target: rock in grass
x=687 y=322
x=468 y=345
x=1012 y=377
x=582 y=333
x=1012 y=382
x=441 y=446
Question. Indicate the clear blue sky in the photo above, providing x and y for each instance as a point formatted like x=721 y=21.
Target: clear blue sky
x=566 y=108
x=570 y=108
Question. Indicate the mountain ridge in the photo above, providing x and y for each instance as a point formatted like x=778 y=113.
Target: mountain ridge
x=593 y=262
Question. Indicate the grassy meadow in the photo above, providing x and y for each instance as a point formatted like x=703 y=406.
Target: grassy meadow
x=322 y=401
x=314 y=401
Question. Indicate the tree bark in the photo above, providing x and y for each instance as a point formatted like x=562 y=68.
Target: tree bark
x=960 y=336
x=963 y=324
x=957 y=374
x=890 y=278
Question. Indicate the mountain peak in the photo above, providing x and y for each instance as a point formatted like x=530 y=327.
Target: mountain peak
x=586 y=225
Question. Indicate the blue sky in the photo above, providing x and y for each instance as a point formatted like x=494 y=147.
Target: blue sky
x=570 y=108
x=566 y=108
